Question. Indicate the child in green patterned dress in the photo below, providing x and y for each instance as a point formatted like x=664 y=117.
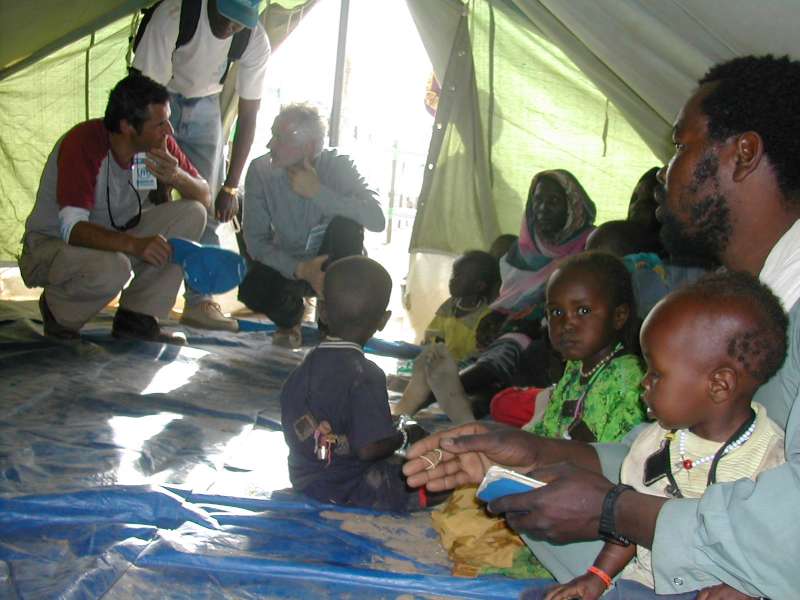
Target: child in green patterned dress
x=591 y=321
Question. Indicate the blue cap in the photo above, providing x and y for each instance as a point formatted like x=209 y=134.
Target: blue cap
x=241 y=11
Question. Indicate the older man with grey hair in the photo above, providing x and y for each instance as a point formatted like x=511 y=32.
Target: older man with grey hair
x=304 y=207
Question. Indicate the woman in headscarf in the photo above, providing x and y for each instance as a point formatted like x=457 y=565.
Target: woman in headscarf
x=559 y=216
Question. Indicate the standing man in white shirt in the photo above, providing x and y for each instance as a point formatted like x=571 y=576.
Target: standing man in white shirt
x=188 y=46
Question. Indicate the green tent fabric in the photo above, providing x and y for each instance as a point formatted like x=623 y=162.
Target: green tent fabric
x=514 y=71
x=513 y=104
x=39 y=104
x=61 y=76
x=555 y=83
x=32 y=30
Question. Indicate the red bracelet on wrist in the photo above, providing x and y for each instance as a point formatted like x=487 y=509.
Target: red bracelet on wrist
x=602 y=575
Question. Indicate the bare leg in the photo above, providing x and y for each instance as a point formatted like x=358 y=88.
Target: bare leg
x=444 y=382
x=417 y=390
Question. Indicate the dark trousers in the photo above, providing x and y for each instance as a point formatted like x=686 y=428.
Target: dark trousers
x=266 y=291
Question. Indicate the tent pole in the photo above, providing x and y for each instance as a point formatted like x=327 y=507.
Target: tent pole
x=87 y=75
x=338 y=82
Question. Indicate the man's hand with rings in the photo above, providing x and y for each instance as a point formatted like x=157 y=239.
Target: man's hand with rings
x=433 y=463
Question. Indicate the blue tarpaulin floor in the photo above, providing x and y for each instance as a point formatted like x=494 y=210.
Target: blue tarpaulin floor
x=131 y=469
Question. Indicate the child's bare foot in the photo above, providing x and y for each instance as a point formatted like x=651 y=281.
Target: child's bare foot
x=442 y=375
x=416 y=391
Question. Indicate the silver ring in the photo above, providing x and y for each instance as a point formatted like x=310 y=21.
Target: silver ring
x=432 y=464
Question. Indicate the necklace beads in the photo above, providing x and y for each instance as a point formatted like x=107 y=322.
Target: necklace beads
x=689 y=464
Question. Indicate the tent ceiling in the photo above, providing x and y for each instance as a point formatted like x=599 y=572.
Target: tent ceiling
x=646 y=56
x=31 y=30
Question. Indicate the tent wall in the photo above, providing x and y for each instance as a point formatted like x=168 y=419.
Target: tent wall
x=39 y=104
x=644 y=57
x=513 y=104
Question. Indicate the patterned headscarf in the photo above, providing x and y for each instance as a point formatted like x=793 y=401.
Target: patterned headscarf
x=532 y=258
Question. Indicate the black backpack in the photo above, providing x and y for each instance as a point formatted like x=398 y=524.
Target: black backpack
x=190 y=16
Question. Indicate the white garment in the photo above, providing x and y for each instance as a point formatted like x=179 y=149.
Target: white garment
x=781 y=270
x=194 y=69
x=761 y=452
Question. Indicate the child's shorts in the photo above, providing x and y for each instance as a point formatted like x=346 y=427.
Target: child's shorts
x=383 y=487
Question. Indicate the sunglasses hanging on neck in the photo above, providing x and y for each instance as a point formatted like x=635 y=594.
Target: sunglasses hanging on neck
x=135 y=220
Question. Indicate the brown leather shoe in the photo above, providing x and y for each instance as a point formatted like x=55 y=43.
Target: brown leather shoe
x=130 y=325
x=53 y=328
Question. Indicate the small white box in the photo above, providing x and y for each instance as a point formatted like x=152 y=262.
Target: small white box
x=500 y=481
x=143 y=179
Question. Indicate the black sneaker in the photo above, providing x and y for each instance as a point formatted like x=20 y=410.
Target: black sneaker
x=53 y=328
x=129 y=325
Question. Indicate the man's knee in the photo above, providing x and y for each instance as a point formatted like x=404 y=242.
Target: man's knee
x=343 y=237
x=265 y=291
x=182 y=218
x=194 y=218
x=342 y=226
x=105 y=275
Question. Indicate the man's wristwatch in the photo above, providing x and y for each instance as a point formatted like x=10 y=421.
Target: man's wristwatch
x=608 y=527
x=230 y=189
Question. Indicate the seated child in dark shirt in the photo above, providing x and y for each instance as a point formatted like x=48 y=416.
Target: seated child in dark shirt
x=335 y=407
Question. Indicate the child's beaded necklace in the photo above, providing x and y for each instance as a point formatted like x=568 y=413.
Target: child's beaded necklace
x=576 y=407
x=739 y=437
x=600 y=363
x=476 y=306
x=689 y=464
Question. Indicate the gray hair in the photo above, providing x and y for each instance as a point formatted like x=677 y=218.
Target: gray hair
x=308 y=124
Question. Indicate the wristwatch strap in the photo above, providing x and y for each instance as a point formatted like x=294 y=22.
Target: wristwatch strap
x=608 y=527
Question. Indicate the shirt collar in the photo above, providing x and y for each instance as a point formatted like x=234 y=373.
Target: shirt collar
x=340 y=344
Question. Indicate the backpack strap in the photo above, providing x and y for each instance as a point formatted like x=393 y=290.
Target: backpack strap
x=235 y=52
x=147 y=14
x=190 y=17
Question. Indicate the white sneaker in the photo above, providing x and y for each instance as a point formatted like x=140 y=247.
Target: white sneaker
x=208 y=315
x=288 y=338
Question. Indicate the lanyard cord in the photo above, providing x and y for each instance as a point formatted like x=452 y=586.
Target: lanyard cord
x=712 y=472
x=579 y=404
x=135 y=220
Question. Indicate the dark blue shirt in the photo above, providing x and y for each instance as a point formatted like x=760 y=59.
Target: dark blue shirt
x=335 y=383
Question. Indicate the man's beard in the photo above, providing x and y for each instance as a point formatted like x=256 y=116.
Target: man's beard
x=708 y=233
